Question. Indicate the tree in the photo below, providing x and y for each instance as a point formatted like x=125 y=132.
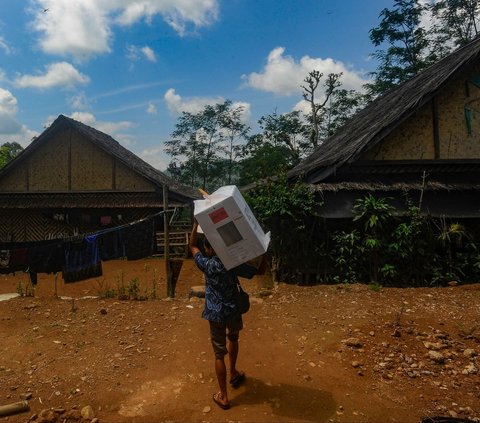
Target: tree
x=288 y=130
x=235 y=130
x=200 y=142
x=9 y=151
x=261 y=159
x=456 y=23
x=343 y=105
x=318 y=110
x=408 y=47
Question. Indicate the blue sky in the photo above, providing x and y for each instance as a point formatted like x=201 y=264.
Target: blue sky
x=130 y=67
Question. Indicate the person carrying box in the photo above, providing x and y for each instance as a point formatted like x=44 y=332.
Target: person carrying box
x=221 y=311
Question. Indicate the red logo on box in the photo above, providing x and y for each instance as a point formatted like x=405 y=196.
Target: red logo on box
x=218 y=215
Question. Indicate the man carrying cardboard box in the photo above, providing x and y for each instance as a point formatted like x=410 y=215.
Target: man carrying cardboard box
x=222 y=312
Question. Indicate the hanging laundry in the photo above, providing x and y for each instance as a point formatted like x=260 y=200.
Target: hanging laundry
x=82 y=259
x=111 y=245
x=46 y=257
x=139 y=240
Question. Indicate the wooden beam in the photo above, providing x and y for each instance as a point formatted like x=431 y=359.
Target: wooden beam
x=70 y=160
x=436 y=129
x=166 y=230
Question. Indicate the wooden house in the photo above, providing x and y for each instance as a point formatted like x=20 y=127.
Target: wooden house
x=75 y=179
x=421 y=139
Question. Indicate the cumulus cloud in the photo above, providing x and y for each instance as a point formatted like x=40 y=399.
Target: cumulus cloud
x=79 y=28
x=10 y=129
x=83 y=28
x=111 y=128
x=176 y=104
x=60 y=74
x=283 y=75
x=136 y=52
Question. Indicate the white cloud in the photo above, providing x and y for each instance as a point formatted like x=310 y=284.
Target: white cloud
x=176 y=104
x=110 y=128
x=72 y=27
x=155 y=157
x=149 y=54
x=10 y=129
x=178 y=14
x=4 y=46
x=79 y=101
x=151 y=109
x=282 y=75
x=83 y=28
x=135 y=53
x=60 y=74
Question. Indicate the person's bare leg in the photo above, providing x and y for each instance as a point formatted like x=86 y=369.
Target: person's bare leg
x=221 y=372
x=232 y=357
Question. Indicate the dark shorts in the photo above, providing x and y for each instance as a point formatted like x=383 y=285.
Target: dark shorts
x=219 y=332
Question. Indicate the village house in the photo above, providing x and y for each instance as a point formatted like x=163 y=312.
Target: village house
x=74 y=179
x=419 y=141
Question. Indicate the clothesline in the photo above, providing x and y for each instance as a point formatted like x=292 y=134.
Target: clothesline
x=79 y=257
x=72 y=238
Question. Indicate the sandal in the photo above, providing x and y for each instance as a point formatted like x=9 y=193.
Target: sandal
x=216 y=400
x=237 y=380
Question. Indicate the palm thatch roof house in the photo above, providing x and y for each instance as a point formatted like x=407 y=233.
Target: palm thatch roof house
x=422 y=138
x=75 y=179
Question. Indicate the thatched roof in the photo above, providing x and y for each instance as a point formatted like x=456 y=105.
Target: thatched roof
x=112 y=147
x=372 y=124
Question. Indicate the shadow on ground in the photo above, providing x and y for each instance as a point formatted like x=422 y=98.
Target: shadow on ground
x=287 y=400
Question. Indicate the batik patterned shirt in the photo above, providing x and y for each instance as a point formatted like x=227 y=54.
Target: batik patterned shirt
x=220 y=290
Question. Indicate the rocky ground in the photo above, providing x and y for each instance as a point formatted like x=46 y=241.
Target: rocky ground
x=336 y=353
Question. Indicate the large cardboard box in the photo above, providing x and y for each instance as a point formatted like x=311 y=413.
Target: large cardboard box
x=230 y=226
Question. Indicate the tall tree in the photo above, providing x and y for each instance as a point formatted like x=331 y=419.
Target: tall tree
x=407 y=46
x=288 y=130
x=342 y=106
x=261 y=159
x=456 y=23
x=201 y=141
x=318 y=109
x=9 y=151
x=235 y=131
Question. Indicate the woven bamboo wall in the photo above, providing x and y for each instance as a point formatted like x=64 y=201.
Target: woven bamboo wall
x=48 y=166
x=414 y=139
x=15 y=180
x=70 y=162
x=91 y=167
x=127 y=180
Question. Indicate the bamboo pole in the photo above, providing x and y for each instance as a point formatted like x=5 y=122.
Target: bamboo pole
x=166 y=231
x=14 y=408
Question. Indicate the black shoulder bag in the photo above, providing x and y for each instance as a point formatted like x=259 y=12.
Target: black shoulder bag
x=243 y=300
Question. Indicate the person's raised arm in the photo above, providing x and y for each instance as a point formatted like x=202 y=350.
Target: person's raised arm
x=192 y=243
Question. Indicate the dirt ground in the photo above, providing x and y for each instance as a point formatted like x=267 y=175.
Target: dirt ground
x=336 y=353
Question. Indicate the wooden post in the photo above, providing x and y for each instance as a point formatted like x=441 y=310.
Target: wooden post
x=436 y=129
x=166 y=231
x=56 y=277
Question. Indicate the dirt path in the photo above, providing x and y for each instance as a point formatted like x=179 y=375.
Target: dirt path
x=340 y=353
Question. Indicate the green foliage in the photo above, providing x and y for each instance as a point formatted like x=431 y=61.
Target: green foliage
x=280 y=199
x=456 y=22
x=407 y=49
x=202 y=142
x=347 y=256
x=9 y=151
